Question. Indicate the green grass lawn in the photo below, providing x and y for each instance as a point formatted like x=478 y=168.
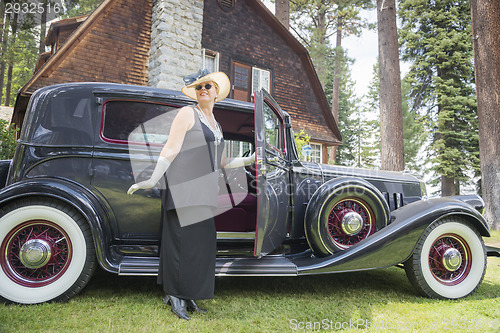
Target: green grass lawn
x=383 y=298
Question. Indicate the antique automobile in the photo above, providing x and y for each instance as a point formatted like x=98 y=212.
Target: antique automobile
x=64 y=208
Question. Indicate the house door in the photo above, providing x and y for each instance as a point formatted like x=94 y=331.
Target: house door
x=272 y=175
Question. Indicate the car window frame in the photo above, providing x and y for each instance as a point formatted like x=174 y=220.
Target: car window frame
x=120 y=142
x=281 y=152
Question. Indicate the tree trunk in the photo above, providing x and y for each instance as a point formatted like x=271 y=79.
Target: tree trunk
x=43 y=27
x=336 y=83
x=318 y=41
x=486 y=41
x=3 y=36
x=391 y=110
x=447 y=186
x=283 y=12
x=11 y=62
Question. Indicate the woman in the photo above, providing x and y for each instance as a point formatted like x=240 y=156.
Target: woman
x=191 y=158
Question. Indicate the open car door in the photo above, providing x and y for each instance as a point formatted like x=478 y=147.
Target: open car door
x=272 y=175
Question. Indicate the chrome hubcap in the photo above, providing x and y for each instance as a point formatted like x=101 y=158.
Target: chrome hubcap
x=452 y=259
x=35 y=253
x=352 y=223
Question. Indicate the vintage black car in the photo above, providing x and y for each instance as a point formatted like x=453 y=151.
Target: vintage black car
x=64 y=207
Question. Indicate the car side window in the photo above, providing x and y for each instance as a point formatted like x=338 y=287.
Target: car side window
x=273 y=130
x=64 y=121
x=134 y=121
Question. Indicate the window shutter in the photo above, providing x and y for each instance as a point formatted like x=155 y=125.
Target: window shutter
x=265 y=80
x=261 y=79
x=210 y=60
x=256 y=79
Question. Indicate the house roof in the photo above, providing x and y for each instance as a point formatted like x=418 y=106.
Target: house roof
x=290 y=39
x=65 y=49
x=68 y=23
x=132 y=47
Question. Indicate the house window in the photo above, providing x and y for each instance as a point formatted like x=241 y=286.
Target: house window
x=261 y=79
x=316 y=154
x=210 y=60
x=247 y=79
x=237 y=148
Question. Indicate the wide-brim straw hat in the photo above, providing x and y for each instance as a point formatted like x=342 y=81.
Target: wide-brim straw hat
x=202 y=76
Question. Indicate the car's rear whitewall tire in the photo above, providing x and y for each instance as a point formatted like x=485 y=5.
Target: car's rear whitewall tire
x=449 y=261
x=47 y=251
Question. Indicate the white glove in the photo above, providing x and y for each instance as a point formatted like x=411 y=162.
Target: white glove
x=240 y=161
x=160 y=169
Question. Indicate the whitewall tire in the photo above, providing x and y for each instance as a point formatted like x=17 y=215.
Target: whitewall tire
x=449 y=261
x=47 y=251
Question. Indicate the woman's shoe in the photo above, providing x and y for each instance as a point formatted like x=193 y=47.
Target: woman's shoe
x=193 y=307
x=178 y=306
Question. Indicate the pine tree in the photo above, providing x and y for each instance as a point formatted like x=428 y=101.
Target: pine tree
x=414 y=132
x=80 y=7
x=315 y=21
x=25 y=52
x=19 y=53
x=348 y=119
x=357 y=128
x=486 y=32
x=371 y=148
x=391 y=114
x=436 y=38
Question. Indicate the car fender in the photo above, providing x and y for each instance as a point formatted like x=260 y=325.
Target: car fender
x=94 y=210
x=394 y=243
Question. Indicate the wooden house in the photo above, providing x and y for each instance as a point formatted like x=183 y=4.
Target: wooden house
x=157 y=43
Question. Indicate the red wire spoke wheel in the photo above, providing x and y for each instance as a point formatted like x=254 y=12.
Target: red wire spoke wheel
x=449 y=260
x=36 y=253
x=343 y=212
x=46 y=251
x=350 y=221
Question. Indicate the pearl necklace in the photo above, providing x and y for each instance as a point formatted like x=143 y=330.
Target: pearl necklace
x=217 y=131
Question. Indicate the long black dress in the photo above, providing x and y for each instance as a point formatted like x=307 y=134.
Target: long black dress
x=187 y=251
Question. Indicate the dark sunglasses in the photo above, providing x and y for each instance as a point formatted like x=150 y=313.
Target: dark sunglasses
x=208 y=86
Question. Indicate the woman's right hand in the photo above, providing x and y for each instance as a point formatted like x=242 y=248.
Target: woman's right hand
x=140 y=186
x=180 y=125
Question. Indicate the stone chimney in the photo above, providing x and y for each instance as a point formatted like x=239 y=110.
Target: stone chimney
x=175 y=51
x=283 y=12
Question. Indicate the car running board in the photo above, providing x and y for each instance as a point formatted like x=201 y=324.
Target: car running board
x=266 y=266
x=269 y=265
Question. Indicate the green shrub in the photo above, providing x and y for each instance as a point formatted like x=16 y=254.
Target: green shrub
x=301 y=139
x=7 y=140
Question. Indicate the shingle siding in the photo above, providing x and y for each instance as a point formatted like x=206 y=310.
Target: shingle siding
x=116 y=49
